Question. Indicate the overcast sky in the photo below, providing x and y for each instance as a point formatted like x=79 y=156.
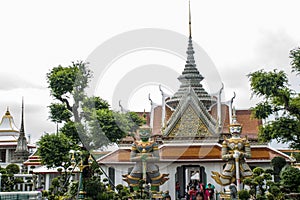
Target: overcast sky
x=238 y=36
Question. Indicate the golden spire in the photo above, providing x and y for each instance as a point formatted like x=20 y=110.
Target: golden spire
x=7 y=111
x=190 y=20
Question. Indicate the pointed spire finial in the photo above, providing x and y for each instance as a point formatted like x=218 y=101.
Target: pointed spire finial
x=22 y=118
x=190 y=20
x=7 y=111
x=235 y=126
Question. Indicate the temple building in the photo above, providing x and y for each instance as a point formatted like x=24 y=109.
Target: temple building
x=189 y=127
x=14 y=147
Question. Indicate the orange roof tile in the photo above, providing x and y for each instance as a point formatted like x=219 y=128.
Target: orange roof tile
x=250 y=125
x=208 y=152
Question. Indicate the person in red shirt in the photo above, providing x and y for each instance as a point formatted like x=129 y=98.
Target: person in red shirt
x=192 y=193
x=209 y=192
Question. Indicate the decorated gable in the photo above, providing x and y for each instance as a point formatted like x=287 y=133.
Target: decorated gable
x=190 y=119
x=190 y=125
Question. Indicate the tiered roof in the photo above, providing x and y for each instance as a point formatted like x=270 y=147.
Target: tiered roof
x=190 y=78
x=7 y=125
x=9 y=133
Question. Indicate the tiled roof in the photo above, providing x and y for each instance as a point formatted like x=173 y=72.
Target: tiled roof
x=249 y=124
x=191 y=152
x=195 y=152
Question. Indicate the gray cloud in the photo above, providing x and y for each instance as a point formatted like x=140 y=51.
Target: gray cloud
x=273 y=48
x=271 y=52
x=10 y=81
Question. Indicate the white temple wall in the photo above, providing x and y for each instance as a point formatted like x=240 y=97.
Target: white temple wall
x=171 y=169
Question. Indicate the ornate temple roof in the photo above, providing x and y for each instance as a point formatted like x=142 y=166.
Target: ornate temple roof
x=9 y=133
x=7 y=125
x=190 y=77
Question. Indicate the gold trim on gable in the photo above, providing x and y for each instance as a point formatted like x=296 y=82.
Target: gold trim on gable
x=189 y=125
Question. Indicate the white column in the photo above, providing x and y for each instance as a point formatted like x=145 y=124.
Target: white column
x=170 y=184
x=47 y=181
x=7 y=159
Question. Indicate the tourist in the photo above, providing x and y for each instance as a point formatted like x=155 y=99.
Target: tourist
x=177 y=188
x=199 y=196
x=192 y=193
x=209 y=192
x=201 y=187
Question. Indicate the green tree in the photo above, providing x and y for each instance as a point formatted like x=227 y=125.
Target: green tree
x=278 y=100
x=12 y=168
x=278 y=163
x=259 y=182
x=8 y=181
x=243 y=195
x=290 y=178
x=67 y=85
x=54 y=150
x=88 y=117
x=297 y=157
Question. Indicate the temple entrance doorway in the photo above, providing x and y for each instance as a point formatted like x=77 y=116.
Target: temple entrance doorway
x=187 y=175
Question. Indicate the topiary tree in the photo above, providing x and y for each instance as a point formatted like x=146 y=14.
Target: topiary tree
x=12 y=168
x=290 y=179
x=278 y=163
x=8 y=181
x=259 y=182
x=243 y=195
x=275 y=192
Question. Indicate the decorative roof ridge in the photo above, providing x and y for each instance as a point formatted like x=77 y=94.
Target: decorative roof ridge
x=199 y=108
